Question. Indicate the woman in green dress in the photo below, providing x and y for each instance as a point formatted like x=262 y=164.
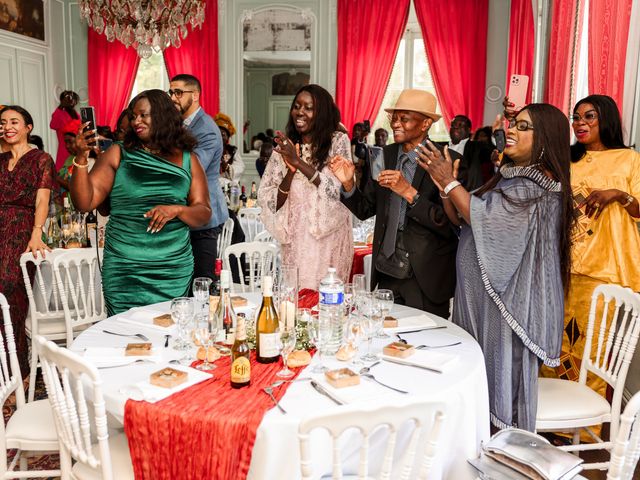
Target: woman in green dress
x=157 y=190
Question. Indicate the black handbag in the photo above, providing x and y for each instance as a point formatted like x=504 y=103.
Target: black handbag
x=398 y=264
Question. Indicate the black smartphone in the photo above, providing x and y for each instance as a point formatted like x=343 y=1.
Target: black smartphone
x=88 y=114
x=501 y=139
x=104 y=144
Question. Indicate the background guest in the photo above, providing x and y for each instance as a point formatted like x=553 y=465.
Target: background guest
x=36 y=141
x=122 y=125
x=414 y=244
x=605 y=178
x=484 y=135
x=60 y=117
x=381 y=136
x=64 y=173
x=299 y=194
x=26 y=180
x=265 y=153
x=513 y=259
x=231 y=166
x=475 y=166
x=159 y=193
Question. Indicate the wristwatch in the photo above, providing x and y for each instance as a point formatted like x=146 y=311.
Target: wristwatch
x=628 y=202
x=415 y=199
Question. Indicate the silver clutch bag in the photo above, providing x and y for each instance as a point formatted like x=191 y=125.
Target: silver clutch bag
x=528 y=454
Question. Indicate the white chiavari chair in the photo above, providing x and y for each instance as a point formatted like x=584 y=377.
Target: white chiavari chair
x=424 y=418
x=250 y=221
x=79 y=420
x=626 y=447
x=260 y=259
x=224 y=239
x=569 y=406
x=31 y=429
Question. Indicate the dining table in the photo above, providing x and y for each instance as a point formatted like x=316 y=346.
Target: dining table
x=461 y=385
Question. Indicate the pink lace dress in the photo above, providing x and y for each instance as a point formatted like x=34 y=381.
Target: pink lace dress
x=312 y=227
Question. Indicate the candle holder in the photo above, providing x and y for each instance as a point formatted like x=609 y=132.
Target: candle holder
x=287 y=296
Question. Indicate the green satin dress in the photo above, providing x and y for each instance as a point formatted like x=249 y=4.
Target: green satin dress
x=141 y=267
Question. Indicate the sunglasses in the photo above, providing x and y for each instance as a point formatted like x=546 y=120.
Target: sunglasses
x=177 y=92
x=521 y=125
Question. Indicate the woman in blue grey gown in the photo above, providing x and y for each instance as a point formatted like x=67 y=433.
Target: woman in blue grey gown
x=513 y=257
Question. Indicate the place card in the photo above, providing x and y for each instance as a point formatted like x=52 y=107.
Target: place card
x=168 y=377
x=137 y=349
x=399 y=349
x=342 y=377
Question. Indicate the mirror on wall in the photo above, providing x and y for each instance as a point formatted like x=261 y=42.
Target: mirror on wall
x=276 y=63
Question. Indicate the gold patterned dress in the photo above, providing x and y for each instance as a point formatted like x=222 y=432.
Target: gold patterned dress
x=605 y=250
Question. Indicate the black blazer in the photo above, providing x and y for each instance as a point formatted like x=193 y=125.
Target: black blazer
x=475 y=167
x=429 y=236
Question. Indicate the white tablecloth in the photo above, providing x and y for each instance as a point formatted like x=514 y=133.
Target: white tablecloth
x=275 y=455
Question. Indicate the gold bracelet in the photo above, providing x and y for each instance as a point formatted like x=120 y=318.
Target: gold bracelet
x=284 y=192
x=38 y=226
x=76 y=164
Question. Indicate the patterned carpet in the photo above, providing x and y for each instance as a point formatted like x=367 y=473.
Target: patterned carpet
x=39 y=462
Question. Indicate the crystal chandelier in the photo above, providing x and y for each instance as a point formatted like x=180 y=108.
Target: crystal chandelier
x=147 y=25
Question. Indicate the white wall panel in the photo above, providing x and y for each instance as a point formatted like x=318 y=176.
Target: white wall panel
x=32 y=88
x=8 y=78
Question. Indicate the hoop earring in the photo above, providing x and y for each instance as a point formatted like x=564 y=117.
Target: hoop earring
x=541 y=154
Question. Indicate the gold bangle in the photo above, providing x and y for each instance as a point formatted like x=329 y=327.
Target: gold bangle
x=76 y=164
x=284 y=192
x=38 y=226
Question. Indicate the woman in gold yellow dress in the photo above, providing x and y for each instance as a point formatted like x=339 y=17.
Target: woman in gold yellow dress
x=605 y=179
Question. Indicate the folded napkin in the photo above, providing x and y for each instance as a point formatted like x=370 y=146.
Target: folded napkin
x=143 y=390
x=102 y=357
x=413 y=322
x=365 y=392
x=144 y=316
x=428 y=358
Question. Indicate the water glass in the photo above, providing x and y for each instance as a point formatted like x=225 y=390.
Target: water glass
x=182 y=314
x=349 y=298
x=205 y=333
x=353 y=337
x=359 y=284
x=319 y=334
x=201 y=287
x=369 y=319
x=384 y=298
x=286 y=344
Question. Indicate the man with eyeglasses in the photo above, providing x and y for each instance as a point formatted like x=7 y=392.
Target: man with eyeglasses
x=414 y=244
x=185 y=94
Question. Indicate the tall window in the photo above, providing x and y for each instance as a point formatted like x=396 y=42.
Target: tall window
x=410 y=70
x=152 y=73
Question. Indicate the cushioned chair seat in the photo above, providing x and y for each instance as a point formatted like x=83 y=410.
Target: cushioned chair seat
x=53 y=327
x=564 y=400
x=32 y=427
x=120 y=462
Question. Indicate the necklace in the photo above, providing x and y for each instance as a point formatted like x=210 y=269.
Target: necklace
x=152 y=151
x=14 y=161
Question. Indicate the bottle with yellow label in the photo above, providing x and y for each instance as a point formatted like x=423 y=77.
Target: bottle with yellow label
x=240 y=359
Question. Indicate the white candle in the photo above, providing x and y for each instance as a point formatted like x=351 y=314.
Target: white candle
x=288 y=314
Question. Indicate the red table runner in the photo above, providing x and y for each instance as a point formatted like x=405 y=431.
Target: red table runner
x=208 y=430
x=358 y=260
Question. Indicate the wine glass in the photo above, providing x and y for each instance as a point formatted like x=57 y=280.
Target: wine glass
x=353 y=336
x=201 y=287
x=205 y=333
x=182 y=314
x=384 y=298
x=349 y=297
x=359 y=284
x=319 y=334
x=369 y=317
x=286 y=344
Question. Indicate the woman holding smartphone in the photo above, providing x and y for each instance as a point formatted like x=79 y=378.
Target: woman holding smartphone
x=157 y=190
x=27 y=176
x=61 y=116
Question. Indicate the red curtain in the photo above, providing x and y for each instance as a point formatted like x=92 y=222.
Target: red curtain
x=608 y=36
x=112 y=72
x=521 y=42
x=369 y=33
x=456 y=46
x=198 y=56
x=564 y=51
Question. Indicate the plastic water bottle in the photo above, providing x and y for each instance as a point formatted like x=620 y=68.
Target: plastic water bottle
x=331 y=308
x=234 y=196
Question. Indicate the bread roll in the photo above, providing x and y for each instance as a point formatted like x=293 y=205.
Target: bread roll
x=212 y=354
x=298 y=358
x=346 y=352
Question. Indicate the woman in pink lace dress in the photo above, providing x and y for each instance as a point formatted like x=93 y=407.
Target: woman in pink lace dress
x=300 y=196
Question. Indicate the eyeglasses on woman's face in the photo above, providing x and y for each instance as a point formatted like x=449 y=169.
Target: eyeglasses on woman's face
x=177 y=92
x=520 y=125
x=590 y=117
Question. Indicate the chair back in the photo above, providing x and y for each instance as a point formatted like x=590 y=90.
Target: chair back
x=79 y=282
x=616 y=337
x=224 y=239
x=626 y=447
x=250 y=221
x=260 y=259
x=44 y=297
x=10 y=375
x=424 y=418
x=264 y=236
x=77 y=419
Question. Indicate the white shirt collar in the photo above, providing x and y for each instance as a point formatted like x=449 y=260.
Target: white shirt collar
x=459 y=147
x=187 y=121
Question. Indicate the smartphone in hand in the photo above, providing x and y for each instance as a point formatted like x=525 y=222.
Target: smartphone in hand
x=88 y=114
x=518 y=86
x=501 y=139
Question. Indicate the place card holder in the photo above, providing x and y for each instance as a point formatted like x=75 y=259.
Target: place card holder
x=342 y=377
x=138 y=349
x=168 y=378
x=398 y=349
x=390 y=322
x=163 y=320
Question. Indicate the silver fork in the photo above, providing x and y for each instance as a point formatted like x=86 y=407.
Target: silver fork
x=422 y=347
x=269 y=391
x=132 y=335
x=364 y=372
x=141 y=360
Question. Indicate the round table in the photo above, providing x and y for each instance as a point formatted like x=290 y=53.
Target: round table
x=463 y=385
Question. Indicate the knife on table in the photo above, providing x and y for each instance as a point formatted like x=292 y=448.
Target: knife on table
x=399 y=362
x=423 y=329
x=323 y=391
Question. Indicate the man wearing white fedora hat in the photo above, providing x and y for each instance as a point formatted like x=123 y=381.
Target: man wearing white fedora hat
x=414 y=244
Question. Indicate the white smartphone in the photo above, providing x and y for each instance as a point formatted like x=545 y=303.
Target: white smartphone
x=518 y=86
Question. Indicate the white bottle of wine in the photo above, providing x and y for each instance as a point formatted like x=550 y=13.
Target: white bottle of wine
x=267 y=325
